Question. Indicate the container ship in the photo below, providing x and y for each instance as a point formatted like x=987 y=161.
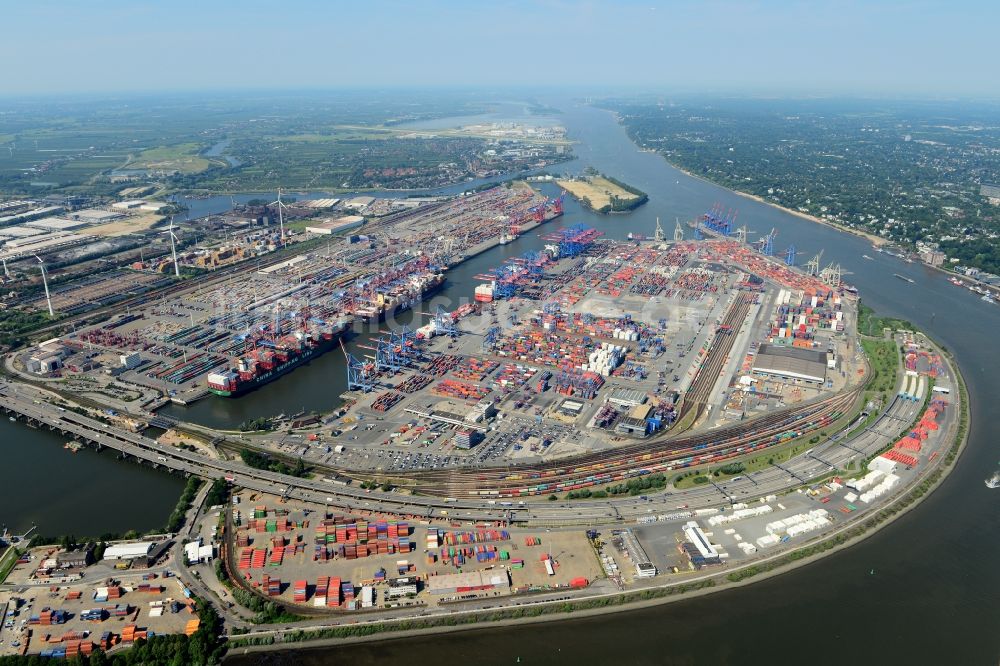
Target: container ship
x=272 y=359
x=402 y=296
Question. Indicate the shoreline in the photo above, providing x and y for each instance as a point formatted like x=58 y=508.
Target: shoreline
x=877 y=241
x=716 y=582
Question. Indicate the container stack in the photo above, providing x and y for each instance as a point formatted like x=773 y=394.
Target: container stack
x=322 y=589
x=271 y=587
x=333 y=593
x=118 y=610
x=347 y=592
x=299 y=591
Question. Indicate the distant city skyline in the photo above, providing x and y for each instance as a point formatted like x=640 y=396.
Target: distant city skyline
x=889 y=47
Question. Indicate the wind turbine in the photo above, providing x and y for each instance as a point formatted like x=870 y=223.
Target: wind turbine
x=281 y=218
x=173 y=247
x=45 y=281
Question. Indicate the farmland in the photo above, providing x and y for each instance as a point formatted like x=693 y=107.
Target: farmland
x=344 y=141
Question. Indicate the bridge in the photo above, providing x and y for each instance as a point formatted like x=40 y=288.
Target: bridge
x=21 y=402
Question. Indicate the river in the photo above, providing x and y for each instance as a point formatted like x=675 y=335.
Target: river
x=84 y=494
x=922 y=590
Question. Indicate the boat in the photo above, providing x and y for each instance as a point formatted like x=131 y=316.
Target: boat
x=401 y=296
x=865 y=256
x=484 y=293
x=993 y=481
x=507 y=238
x=73 y=446
x=903 y=277
x=273 y=358
x=988 y=298
x=638 y=237
x=955 y=281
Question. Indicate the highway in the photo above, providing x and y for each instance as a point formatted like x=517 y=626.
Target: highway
x=25 y=402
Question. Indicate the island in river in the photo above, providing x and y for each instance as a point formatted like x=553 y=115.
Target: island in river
x=603 y=194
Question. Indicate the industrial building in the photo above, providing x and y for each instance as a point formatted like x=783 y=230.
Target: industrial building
x=57 y=224
x=401 y=587
x=697 y=537
x=20 y=232
x=128 y=205
x=130 y=360
x=141 y=550
x=196 y=553
x=636 y=424
x=330 y=227
x=469 y=581
x=627 y=541
x=95 y=215
x=791 y=363
x=624 y=397
x=75 y=559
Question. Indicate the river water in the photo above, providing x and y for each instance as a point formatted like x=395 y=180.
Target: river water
x=925 y=589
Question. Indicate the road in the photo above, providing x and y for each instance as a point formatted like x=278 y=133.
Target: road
x=28 y=403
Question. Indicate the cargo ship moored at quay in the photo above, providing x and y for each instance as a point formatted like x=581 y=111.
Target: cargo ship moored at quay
x=271 y=360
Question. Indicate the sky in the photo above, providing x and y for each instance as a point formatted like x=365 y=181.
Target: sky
x=890 y=47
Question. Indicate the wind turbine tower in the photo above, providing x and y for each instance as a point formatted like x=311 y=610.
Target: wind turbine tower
x=281 y=216
x=45 y=281
x=173 y=247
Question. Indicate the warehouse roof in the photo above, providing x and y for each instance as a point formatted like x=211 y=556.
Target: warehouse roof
x=792 y=362
x=128 y=551
x=641 y=411
x=448 y=583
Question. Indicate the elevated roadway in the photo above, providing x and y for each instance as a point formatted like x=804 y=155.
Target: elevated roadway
x=22 y=402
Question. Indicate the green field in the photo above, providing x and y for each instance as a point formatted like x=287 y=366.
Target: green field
x=323 y=141
x=182 y=157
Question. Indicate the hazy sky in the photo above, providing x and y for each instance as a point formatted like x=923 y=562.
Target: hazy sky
x=928 y=48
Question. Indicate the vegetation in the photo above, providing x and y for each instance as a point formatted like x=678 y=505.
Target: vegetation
x=8 y=560
x=218 y=493
x=267 y=612
x=260 y=423
x=264 y=461
x=176 y=520
x=884 y=358
x=516 y=612
x=870 y=324
x=908 y=172
x=604 y=194
x=15 y=325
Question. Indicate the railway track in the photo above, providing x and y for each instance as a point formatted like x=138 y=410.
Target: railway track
x=696 y=399
x=650 y=456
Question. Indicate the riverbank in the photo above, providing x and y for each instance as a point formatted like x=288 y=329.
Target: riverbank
x=876 y=241
x=529 y=612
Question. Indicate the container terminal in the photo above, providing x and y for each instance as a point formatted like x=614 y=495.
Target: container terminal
x=598 y=415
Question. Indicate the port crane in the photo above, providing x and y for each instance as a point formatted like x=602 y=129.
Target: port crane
x=790 y=253
x=678 y=230
x=719 y=220
x=812 y=266
x=360 y=374
x=766 y=244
